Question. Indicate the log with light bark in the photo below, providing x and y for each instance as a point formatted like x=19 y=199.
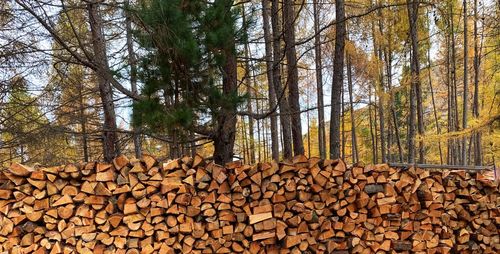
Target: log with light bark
x=190 y=205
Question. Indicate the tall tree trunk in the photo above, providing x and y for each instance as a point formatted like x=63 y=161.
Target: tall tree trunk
x=292 y=75
x=396 y=133
x=377 y=46
x=343 y=122
x=354 y=143
x=308 y=132
x=475 y=105
x=259 y=123
x=454 y=103
x=429 y=73
x=449 y=152
x=415 y=79
x=83 y=123
x=280 y=92
x=133 y=74
x=411 y=122
x=466 y=87
x=259 y=147
x=250 y=93
x=171 y=100
x=338 y=78
x=375 y=110
x=372 y=134
x=388 y=69
x=390 y=140
x=226 y=119
x=381 y=94
x=319 y=83
x=225 y=131
x=110 y=138
x=243 y=131
x=420 y=103
x=269 y=68
x=265 y=141
x=438 y=128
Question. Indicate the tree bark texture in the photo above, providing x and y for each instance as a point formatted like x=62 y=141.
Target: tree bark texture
x=110 y=138
x=225 y=131
x=269 y=74
x=354 y=143
x=475 y=105
x=338 y=78
x=292 y=75
x=132 y=61
x=415 y=83
x=319 y=83
x=466 y=87
x=280 y=93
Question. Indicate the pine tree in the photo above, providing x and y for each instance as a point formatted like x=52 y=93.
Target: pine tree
x=189 y=71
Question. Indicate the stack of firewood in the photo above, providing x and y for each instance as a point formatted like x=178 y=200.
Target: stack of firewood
x=191 y=206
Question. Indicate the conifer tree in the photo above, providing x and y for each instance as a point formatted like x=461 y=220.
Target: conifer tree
x=189 y=71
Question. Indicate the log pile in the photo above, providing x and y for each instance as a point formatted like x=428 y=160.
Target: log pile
x=191 y=206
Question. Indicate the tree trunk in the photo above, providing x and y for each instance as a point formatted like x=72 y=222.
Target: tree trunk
x=383 y=147
x=355 y=156
x=308 y=133
x=390 y=140
x=372 y=134
x=415 y=81
x=380 y=90
x=171 y=100
x=475 y=105
x=110 y=139
x=411 y=122
x=343 y=122
x=225 y=132
x=292 y=75
x=262 y=142
x=450 y=81
x=338 y=78
x=249 y=94
x=319 y=83
x=429 y=72
x=454 y=103
x=396 y=133
x=272 y=92
x=133 y=75
x=265 y=141
x=83 y=123
x=375 y=110
x=280 y=92
x=259 y=123
x=438 y=128
x=226 y=119
x=388 y=61
x=466 y=87
x=245 y=140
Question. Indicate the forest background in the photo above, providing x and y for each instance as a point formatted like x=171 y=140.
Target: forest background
x=368 y=81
